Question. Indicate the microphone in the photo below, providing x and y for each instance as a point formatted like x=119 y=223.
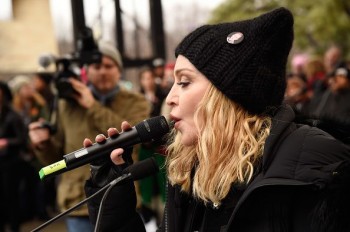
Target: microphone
x=142 y=169
x=136 y=171
x=145 y=131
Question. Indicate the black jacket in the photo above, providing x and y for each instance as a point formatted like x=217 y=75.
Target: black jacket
x=332 y=104
x=303 y=168
x=13 y=129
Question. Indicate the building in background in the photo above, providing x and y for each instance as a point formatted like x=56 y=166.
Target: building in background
x=26 y=32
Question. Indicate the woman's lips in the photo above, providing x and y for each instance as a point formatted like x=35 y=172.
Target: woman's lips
x=176 y=121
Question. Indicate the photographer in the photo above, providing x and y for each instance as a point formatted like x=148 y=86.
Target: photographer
x=95 y=107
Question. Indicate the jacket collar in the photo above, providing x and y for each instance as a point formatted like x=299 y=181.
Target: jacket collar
x=280 y=123
x=104 y=98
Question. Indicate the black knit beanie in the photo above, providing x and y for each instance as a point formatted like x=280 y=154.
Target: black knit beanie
x=245 y=60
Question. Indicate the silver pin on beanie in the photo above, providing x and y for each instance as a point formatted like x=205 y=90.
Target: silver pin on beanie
x=246 y=60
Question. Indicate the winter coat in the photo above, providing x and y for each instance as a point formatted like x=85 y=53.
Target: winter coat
x=302 y=169
x=11 y=128
x=76 y=123
x=332 y=104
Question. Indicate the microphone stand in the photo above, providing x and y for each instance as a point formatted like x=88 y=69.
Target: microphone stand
x=112 y=183
x=98 y=220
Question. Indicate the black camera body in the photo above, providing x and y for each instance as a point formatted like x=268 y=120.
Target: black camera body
x=86 y=53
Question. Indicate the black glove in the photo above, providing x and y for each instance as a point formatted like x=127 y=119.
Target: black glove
x=103 y=170
x=119 y=213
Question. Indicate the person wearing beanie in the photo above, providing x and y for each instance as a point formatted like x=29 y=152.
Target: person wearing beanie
x=93 y=108
x=31 y=106
x=109 y=50
x=235 y=160
x=17 y=82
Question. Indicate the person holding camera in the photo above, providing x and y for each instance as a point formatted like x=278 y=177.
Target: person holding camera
x=92 y=108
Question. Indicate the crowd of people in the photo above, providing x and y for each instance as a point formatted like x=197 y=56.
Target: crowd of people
x=228 y=93
x=22 y=193
x=320 y=86
x=32 y=101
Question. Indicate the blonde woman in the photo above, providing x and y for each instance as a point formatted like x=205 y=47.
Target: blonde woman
x=26 y=100
x=236 y=161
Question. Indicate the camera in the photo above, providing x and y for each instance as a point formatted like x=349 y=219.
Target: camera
x=69 y=66
x=86 y=53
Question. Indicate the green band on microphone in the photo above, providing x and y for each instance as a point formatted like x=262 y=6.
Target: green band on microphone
x=45 y=171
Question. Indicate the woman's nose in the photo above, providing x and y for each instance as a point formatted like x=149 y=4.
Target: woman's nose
x=171 y=99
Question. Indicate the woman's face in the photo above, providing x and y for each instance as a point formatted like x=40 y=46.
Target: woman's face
x=187 y=91
x=338 y=83
x=147 y=81
x=26 y=91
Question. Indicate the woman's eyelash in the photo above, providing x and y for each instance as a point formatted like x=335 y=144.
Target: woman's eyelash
x=183 y=83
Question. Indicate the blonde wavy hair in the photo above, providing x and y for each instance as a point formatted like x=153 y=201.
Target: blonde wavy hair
x=230 y=142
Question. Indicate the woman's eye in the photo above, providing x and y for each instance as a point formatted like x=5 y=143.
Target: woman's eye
x=183 y=83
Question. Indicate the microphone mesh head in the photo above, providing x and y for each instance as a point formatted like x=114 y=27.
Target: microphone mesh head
x=153 y=128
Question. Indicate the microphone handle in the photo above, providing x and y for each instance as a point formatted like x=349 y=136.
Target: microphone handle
x=97 y=150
